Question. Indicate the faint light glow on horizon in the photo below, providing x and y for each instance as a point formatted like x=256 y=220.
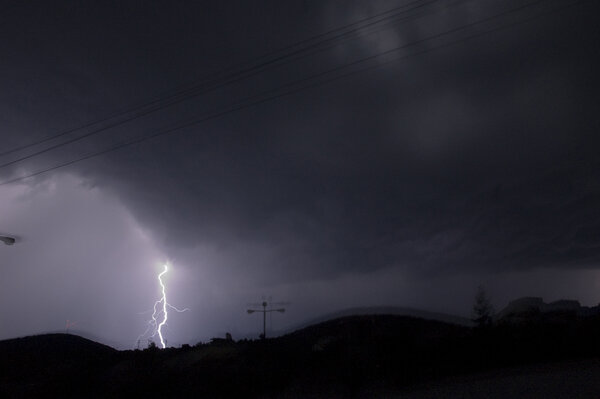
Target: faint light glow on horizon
x=160 y=312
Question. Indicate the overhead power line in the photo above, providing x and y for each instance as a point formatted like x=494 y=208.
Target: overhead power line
x=220 y=79
x=296 y=86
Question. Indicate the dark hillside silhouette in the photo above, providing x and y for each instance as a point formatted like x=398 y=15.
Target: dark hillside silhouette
x=53 y=362
x=336 y=358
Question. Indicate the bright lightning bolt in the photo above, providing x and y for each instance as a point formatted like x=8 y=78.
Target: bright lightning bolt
x=160 y=312
x=164 y=302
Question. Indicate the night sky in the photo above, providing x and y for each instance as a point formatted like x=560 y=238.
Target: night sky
x=332 y=154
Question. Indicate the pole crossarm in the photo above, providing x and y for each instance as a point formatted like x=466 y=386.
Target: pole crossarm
x=264 y=311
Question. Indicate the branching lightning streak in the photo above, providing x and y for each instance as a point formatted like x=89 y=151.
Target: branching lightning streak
x=164 y=302
x=160 y=312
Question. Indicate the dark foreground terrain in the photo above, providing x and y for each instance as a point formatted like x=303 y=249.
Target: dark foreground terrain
x=357 y=356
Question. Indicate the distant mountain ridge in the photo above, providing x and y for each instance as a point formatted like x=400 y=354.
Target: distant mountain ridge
x=54 y=347
x=536 y=305
x=379 y=310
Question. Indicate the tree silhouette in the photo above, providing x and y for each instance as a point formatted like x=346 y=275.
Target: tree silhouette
x=482 y=309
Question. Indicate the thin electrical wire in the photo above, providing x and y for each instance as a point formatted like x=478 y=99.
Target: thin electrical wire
x=183 y=93
x=152 y=110
x=175 y=100
x=241 y=106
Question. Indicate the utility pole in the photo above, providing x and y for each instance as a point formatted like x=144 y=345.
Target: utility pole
x=264 y=311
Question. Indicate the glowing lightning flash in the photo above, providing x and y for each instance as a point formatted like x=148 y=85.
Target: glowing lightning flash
x=160 y=311
x=164 y=302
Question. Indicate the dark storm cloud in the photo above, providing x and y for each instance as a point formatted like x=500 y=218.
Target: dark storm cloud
x=472 y=158
x=392 y=170
x=405 y=165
